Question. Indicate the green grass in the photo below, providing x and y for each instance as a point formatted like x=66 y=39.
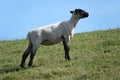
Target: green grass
x=94 y=56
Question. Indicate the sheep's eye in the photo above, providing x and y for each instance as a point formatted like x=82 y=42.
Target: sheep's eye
x=80 y=11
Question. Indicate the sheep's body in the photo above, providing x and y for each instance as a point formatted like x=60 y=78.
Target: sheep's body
x=52 y=34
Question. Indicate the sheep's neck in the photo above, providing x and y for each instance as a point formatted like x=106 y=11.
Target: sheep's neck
x=73 y=20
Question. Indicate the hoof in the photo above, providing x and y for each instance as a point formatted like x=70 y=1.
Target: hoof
x=67 y=58
x=30 y=65
x=22 y=66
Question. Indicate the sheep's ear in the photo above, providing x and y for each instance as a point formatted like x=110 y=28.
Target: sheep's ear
x=71 y=12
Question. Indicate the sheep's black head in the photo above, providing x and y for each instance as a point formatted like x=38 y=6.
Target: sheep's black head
x=80 y=13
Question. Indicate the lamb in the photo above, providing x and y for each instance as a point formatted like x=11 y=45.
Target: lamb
x=52 y=34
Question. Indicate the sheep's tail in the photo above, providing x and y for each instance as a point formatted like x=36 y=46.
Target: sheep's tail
x=29 y=40
x=28 y=37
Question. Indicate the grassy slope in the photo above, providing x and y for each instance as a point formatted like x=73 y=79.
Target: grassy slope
x=95 y=56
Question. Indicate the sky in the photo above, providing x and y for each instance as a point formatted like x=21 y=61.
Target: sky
x=17 y=17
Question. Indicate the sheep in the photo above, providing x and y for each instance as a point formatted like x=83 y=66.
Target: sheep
x=52 y=34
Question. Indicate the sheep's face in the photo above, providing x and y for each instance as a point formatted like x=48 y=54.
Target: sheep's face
x=80 y=13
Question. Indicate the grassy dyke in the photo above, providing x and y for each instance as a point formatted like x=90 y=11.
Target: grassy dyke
x=94 y=56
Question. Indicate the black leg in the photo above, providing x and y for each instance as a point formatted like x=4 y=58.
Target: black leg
x=67 y=49
x=32 y=57
x=25 y=55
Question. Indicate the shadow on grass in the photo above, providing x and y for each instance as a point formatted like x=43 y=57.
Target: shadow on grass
x=10 y=69
x=14 y=69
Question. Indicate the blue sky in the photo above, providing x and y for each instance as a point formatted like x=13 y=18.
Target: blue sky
x=17 y=17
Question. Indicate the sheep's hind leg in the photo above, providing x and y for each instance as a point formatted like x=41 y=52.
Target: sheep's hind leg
x=25 y=55
x=33 y=52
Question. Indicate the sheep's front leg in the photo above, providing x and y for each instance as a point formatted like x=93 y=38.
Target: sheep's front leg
x=67 y=49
